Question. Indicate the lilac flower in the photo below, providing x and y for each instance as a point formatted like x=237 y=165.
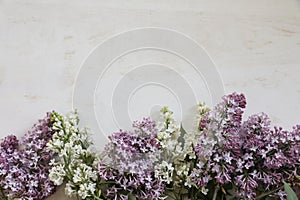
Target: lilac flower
x=249 y=155
x=129 y=168
x=74 y=161
x=272 y=149
x=225 y=158
x=24 y=166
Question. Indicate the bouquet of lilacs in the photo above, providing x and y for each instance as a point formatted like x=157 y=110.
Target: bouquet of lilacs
x=218 y=159
x=223 y=157
x=24 y=166
x=75 y=160
x=151 y=162
x=154 y=161
x=244 y=160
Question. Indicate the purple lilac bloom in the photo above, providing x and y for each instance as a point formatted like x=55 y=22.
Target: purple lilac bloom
x=129 y=163
x=249 y=155
x=219 y=136
x=24 y=166
x=273 y=153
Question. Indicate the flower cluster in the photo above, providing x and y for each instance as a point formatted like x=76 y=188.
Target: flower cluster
x=171 y=147
x=128 y=163
x=24 y=166
x=243 y=159
x=175 y=158
x=74 y=159
x=222 y=157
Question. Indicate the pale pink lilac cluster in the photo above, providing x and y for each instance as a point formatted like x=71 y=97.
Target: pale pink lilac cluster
x=129 y=166
x=24 y=166
x=243 y=159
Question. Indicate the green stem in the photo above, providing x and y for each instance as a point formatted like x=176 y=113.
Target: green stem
x=107 y=182
x=268 y=193
x=2 y=194
x=171 y=196
x=216 y=192
x=70 y=173
x=169 y=189
x=95 y=197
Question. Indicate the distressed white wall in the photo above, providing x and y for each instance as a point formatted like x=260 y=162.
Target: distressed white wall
x=255 y=44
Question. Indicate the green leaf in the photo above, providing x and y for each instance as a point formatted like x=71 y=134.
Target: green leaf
x=182 y=133
x=131 y=197
x=291 y=195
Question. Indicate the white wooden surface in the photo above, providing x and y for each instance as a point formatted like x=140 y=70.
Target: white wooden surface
x=255 y=44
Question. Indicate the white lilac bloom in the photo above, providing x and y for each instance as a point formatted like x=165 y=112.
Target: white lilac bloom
x=191 y=137
x=74 y=161
x=57 y=174
x=164 y=171
x=176 y=155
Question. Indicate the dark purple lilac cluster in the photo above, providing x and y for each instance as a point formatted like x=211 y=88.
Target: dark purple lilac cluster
x=129 y=164
x=24 y=166
x=244 y=159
